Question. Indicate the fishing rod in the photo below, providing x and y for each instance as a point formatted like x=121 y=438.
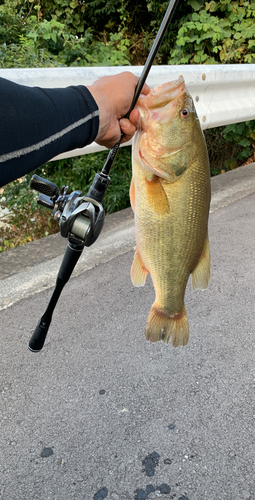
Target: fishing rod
x=81 y=218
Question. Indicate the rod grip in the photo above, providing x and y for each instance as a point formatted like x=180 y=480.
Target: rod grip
x=72 y=254
x=71 y=257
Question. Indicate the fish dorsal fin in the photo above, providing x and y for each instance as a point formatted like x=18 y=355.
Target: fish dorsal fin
x=156 y=196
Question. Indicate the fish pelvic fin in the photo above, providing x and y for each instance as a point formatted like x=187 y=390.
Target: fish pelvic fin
x=138 y=271
x=160 y=326
x=132 y=194
x=200 y=277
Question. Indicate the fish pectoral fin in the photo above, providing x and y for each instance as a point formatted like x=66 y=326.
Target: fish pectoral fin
x=132 y=194
x=138 y=271
x=200 y=277
x=162 y=327
x=156 y=196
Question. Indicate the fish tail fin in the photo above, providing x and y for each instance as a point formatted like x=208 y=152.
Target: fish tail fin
x=162 y=327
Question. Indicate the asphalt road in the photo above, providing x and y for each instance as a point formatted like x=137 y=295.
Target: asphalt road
x=100 y=412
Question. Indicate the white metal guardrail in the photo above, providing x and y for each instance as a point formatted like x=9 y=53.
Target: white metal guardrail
x=222 y=94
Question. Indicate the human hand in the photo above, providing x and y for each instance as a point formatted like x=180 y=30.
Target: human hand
x=114 y=95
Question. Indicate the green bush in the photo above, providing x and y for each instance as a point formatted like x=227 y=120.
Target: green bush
x=230 y=146
x=26 y=41
x=216 y=32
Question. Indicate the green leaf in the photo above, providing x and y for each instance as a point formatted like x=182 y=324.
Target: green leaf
x=240 y=127
x=194 y=4
x=197 y=59
x=195 y=16
x=244 y=143
x=181 y=42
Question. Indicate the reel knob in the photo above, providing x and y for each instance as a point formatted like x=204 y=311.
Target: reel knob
x=44 y=186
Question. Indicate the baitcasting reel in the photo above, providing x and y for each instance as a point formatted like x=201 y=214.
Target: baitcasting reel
x=80 y=218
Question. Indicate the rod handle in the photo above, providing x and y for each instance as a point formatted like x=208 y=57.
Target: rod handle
x=71 y=257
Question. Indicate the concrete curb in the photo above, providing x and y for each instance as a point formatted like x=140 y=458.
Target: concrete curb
x=32 y=268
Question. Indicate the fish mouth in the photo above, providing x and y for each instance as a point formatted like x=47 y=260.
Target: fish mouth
x=169 y=90
x=162 y=96
x=160 y=104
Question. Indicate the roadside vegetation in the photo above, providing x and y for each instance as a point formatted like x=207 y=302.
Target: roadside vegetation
x=49 y=33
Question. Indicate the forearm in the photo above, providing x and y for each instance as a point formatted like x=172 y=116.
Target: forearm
x=38 y=124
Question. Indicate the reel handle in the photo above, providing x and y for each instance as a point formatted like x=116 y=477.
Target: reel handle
x=44 y=186
x=45 y=201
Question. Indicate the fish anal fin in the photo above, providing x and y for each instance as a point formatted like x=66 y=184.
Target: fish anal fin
x=200 y=277
x=156 y=196
x=160 y=326
x=138 y=271
x=132 y=194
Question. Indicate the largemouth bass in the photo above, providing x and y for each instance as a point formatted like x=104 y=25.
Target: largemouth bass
x=170 y=196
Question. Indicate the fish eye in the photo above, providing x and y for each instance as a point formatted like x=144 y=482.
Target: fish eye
x=184 y=113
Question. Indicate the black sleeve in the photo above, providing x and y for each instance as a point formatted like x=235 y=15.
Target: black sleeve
x=38 y=124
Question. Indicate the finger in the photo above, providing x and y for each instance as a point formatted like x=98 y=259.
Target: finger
x=134 y=117
x=128 y=129
x=145 y=89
